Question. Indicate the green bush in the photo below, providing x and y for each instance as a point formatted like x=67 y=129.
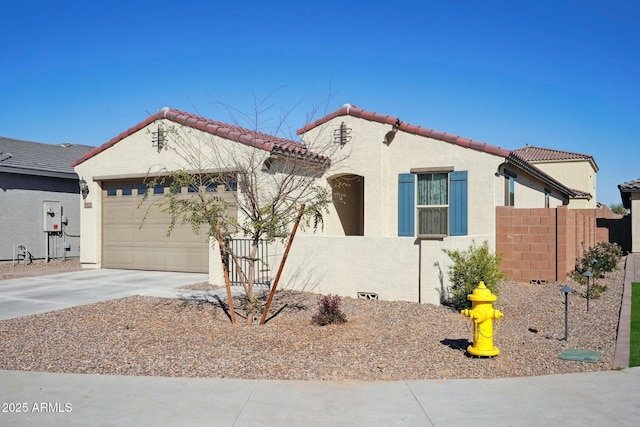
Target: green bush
x=601 y=259
x=469 y=268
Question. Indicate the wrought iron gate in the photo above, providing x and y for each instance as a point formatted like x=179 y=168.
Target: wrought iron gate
x=242 y=248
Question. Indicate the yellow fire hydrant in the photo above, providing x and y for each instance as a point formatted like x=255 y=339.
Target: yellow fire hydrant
x=482 y=313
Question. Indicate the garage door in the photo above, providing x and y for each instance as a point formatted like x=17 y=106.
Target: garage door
x=128 y=243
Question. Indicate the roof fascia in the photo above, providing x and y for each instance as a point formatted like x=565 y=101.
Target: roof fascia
x=38 y=172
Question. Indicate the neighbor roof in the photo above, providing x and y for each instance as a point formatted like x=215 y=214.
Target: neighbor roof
x=511 y=157
x=35 y=158
x=270 y=143
x=626 y=189
x=539 y=154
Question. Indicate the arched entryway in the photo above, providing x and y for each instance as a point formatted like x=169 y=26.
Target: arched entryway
x=348 y=199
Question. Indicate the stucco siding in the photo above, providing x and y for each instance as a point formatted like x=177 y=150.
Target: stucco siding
x=577 y=174
x=635 y=222
x=21 y=210
x=380 y=165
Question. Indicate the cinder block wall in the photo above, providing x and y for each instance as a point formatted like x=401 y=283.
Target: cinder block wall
x=526 y=238
x=542 y=244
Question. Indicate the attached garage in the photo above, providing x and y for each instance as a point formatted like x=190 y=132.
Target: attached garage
x=132 y=241
x=113 y=233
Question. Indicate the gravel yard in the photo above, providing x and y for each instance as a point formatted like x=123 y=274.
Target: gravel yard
x=380 y=341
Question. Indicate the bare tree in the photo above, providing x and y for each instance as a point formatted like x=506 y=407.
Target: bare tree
x=265 y=178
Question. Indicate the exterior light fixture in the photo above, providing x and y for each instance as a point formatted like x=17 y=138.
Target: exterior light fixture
x=588 y=275
x=159 y=138
x=566 y=290
x=392 y=133
x=84 y=188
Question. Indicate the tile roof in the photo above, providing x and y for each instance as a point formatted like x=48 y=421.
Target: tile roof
x=515 y=159
x=351 y=110
x=248 y=137
x=35 y=158
x=539 y=154
x=626 y=189
x=630 y=185
x=510 y=156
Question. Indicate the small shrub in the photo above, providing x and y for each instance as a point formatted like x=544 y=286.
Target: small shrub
x=329 y=311
x=469 y=268
x=601 y=259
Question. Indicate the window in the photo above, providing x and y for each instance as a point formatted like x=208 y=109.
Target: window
x=509 y=188
x=433 y=203
x=547 y=197
x=158 y=189
x=142 y=190
x=111 y=191
x=438 y=200
x=212 y=187
x=126 y=190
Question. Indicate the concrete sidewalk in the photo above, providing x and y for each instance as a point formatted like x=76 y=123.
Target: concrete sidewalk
x=593 y=399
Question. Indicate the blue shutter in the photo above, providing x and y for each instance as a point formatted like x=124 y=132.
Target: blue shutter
x=458 y=203
x=406 y=204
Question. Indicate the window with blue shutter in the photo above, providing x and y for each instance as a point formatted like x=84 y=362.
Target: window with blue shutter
x=406 y=204
x=458 y=203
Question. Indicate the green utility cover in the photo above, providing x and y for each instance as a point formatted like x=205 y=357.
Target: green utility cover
x=580 y=355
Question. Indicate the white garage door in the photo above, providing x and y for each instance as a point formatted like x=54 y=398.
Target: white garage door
x=128 y=243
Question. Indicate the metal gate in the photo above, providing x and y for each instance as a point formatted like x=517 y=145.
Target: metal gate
x=242 y=248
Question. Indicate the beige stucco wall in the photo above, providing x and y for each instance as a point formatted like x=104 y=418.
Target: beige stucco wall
x=381 y=262
x=635 y=222
x=576 y=174
x=380 y=165
x=529 y=193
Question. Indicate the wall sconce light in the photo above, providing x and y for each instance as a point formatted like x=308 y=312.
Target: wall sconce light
x=84 y=188
x=159 y=138
x=392 y=133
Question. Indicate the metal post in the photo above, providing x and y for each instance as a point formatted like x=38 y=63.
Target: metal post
x=566 y=290
x=588 y=275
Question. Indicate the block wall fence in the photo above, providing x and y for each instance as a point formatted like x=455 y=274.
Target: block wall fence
x=545 y=244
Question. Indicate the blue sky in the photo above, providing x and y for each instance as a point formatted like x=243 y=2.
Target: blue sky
x=557 y=74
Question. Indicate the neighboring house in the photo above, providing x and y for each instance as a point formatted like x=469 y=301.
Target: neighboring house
x=575 y=170
x=401 y=195
x=630 y=194
x=35 y=177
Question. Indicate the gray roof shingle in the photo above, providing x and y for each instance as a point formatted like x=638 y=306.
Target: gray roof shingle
x=35 y=158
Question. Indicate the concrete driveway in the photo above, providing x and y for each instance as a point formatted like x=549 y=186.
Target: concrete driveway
x=40 y=294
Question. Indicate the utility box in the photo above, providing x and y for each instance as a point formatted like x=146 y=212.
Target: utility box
x=52 y=220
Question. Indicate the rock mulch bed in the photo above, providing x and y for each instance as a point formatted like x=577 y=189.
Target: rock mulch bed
x=380 y=341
